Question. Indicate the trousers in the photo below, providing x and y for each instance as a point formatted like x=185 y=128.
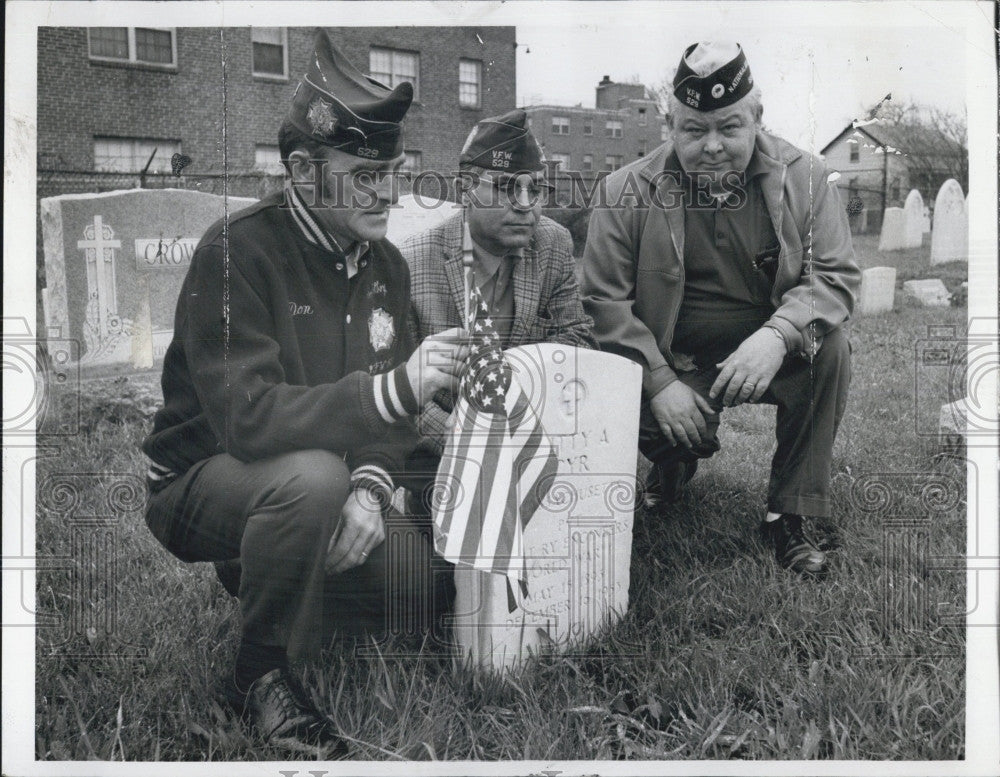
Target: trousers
x=810 y=399
x=277 y=516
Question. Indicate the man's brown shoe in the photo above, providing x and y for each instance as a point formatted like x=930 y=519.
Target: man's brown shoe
x=792 y=547
x=280 y=710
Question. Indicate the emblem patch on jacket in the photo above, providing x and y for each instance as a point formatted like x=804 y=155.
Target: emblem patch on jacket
x=381 y=330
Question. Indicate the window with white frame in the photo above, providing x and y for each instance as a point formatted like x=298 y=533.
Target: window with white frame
x=560 y=125
x=562 y=160
x=393 y=66
x=588 y=162
x=642 y=117
x=642 y=147
x=855 y=152
x=470 y=73
x=129 y=155
x=588 y=127
x=612 y=129
x=412 y=162
x=267 y=159
x=270 y=51
x=142 y=45
x=612 y=161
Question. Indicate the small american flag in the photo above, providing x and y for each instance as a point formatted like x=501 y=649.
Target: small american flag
x=497 y=467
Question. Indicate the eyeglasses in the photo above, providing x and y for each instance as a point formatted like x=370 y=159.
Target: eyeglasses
x=522 y=190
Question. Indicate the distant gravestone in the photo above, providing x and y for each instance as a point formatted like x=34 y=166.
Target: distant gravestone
x=414 y=213
x=952 y=423
x=950 y=233
x=878 y=290
x=893 y=237
x=929 y=292
x=578 y=544
x=114 y=264
x=913 y=210
x=925 y=221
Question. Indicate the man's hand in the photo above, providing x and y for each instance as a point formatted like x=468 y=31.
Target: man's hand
x=359 y=531
x=680 y=411
x=747 y=372
x=437 y=364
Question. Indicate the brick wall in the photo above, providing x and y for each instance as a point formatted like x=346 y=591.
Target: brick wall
x=208 y=107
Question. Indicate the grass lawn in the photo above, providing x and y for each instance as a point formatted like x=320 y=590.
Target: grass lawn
x=721 y=655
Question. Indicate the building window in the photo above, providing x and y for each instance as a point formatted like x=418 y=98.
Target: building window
x=412 y=162
x=563 y=160
x=469 y=82
x=144 y=45
x=612 y=129
x=663 y=133
x=588 y=162
x=560 y=125
x=588 y=127
x=267 y=159
x=270 y=51
x=612 y=161
x=855 y=152
x=642 y=117
x=392 y=67
x=129 y=155
x=642 y=147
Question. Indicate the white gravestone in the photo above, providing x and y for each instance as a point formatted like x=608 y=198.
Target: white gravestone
x=415 y=213
x=578 y=545
x=929 y=292
x=950 y=234
x=926 y=220
x=114 y=264
x=952 y=423
x=878 y=290
x=913 y=210
x=893 y=236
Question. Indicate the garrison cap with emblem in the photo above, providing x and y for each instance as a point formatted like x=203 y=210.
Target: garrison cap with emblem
x=339 y=106
x=503 y=143
x=727 y=76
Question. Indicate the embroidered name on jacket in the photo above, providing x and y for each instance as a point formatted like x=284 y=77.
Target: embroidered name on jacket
x=299 y=310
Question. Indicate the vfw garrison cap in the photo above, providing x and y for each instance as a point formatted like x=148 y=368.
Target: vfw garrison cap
x=728 y=81
x=339 y=106
x=504 y=144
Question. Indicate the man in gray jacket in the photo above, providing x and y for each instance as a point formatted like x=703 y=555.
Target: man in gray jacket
x=722 y=263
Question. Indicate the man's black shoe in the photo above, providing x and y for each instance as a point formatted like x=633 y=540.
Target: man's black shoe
x=664 y=484
x=792 y=548
x=280 y=710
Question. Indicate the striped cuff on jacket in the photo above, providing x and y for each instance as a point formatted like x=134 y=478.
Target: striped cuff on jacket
x=376 y=480
x=394 y=398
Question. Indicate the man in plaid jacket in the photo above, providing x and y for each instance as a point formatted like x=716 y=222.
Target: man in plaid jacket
x=522 y=262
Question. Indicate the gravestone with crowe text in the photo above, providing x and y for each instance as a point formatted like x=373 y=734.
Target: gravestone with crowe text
x=578 y=544
x=114 y=264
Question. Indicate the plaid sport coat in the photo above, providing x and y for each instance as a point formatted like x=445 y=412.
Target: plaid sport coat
x=547 y=306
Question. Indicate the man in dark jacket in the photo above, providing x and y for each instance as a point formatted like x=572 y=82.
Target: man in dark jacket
x=722 y=263
x=288 y=388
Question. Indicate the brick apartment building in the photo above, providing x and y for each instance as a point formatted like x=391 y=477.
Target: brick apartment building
x=625 y=124
x=109 y=96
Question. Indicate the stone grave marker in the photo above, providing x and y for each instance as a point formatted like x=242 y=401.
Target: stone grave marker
x=950 y=233
x=878 y=290
x=913 y=211
x=893 y=236
x=578 y=545
x=925 y=221
x=415 y=214
x=929 y=292
x=114 y=264
x=952 y=423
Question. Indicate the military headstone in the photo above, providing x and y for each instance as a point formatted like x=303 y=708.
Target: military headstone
x=950 y=234
x=878 y=290
x=415 y=213
x=913 y=210
x=893 y=237
x=929 y=292
x=578 y=544
x=114 y=264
